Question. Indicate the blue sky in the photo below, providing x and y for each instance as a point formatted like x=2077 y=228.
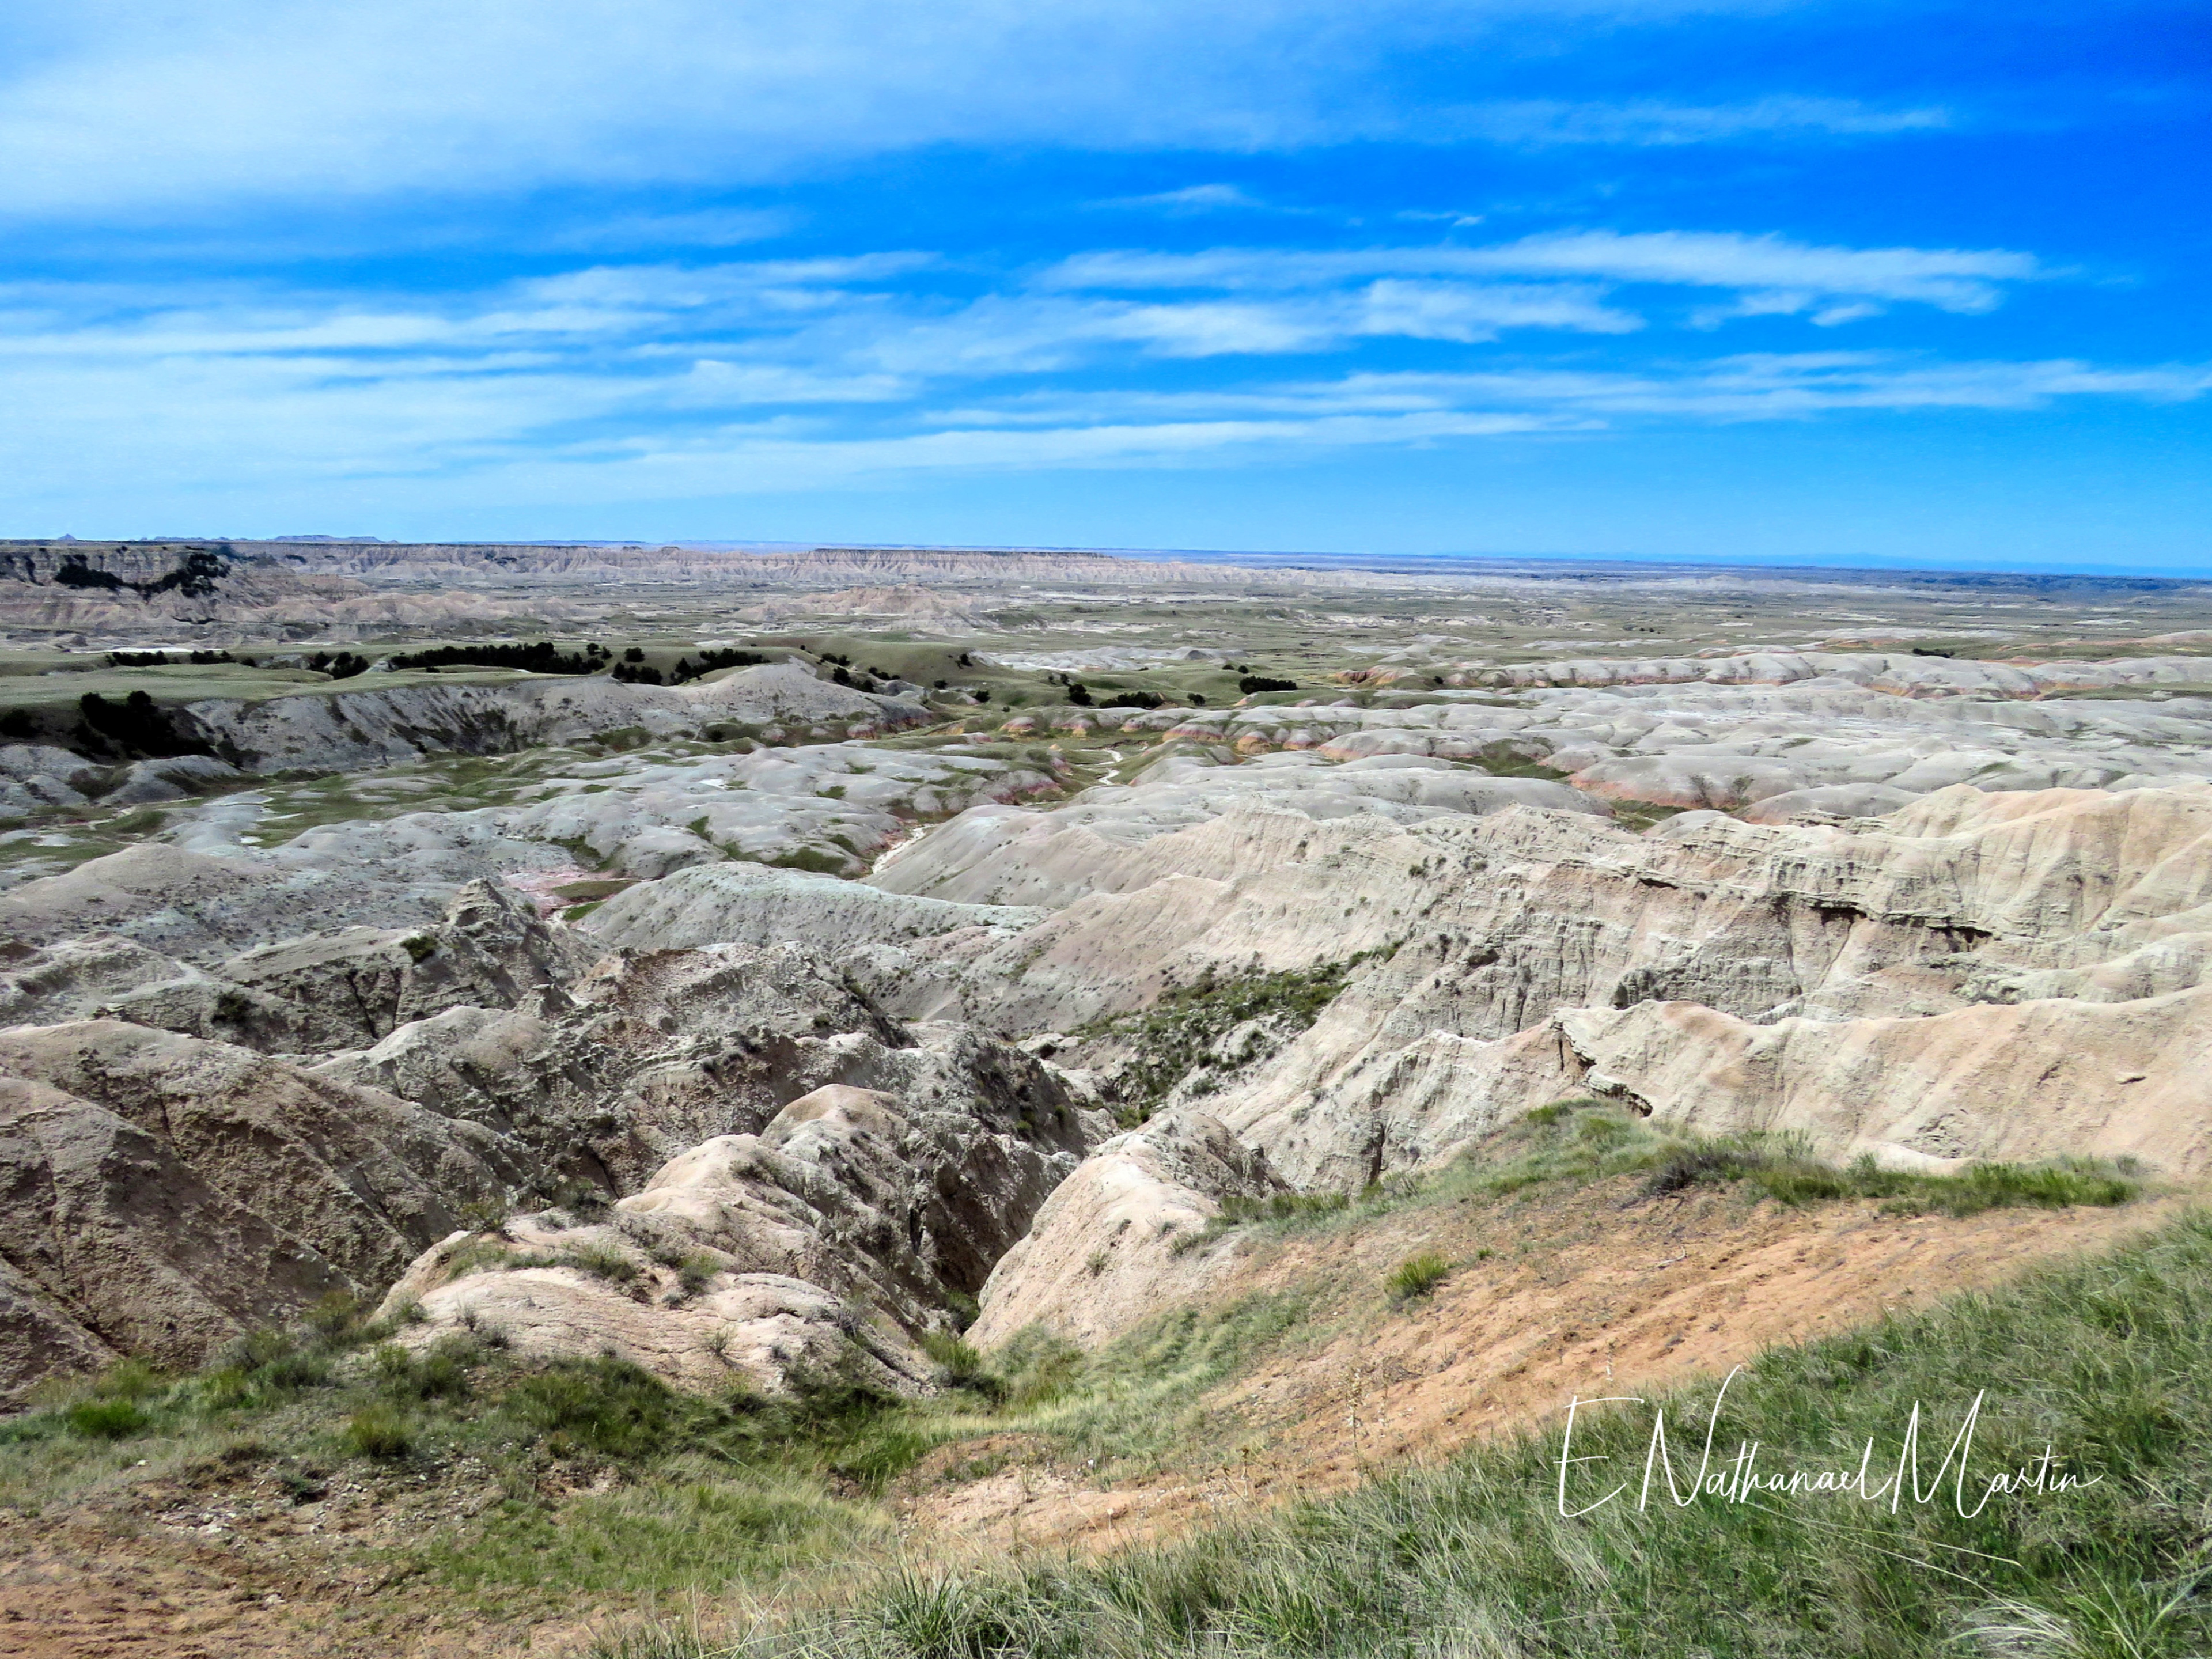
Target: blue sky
x=1756 y=280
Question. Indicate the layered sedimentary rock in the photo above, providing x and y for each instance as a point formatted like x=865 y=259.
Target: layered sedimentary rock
x=368 y=726
x=1758 y=730
x=2011 y=975
x=749 y=1121
x=163 y=1194
x=853 y=1213
x=1101 y=1256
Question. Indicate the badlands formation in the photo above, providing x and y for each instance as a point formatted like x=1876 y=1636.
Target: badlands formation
x=752 y=1013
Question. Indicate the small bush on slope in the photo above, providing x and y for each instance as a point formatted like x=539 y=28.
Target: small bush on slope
x=2106 y=1361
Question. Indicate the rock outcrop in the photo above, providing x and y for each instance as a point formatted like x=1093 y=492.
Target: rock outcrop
x=165 y=1193
x=853 y=1213
x=1102 y=1254
x=749 y=904
x=749 y=1119
x=310 y=994
x=2013 y=975
x=353 y=728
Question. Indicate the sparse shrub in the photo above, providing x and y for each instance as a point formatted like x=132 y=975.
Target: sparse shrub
x=1039 y=1368
x=961 y=1365
x=696 y=1271
x=335 y=1316
x=1559 y=1111
x=139 y=725
x=1095 y=1263
x=130 y=1379
x=1417 y=1275
x=107 y=1419
x=440 y=1372
x=1789 y=1173
x=144 y=822
x=604 y=1405
x=964 y=1309
x=601 y=1260
x=273 y=1361
x=1172 y=1039
x=342 y=667
x=378 y=1431
x=1281 y=1206
x=540 y=657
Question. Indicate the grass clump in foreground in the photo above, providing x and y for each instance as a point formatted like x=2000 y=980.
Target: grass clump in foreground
x=1789 y=1174
x=689 y=1493
x=1582 y=1142
x=2105 y=1363
x=602 y=1480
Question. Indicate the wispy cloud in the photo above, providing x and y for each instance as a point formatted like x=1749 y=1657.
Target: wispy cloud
x=702 y=228
x=1789 y=276
x=148 y=109
x=771 y=376
x=1034 y=334
x=1649 y=123
x=1748 y=387
x=1194 y=199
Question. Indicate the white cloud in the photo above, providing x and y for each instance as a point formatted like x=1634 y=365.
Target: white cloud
x=155 y=111
x=1469 y=312
x=1768 y=386
x=1649 y=123
x=260 y=396
x=1194 y=199
x=1954 y=279
x=1035 y=334
x=1774 y=272
x=761 y=374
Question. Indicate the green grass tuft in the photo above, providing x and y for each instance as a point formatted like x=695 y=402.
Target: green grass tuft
x=962 y=1366
x=601 y=1260
x=107 y=1419
x=378 y=1431
x=1791 y=1176
x=1416 y=1276
x=604 y=1405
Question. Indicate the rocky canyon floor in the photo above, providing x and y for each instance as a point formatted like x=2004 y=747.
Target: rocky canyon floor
x=548 y=1091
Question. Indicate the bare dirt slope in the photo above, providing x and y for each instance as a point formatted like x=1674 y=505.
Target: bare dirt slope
x=1588 y=1291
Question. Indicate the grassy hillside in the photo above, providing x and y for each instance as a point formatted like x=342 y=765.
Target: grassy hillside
x=2106 y=1362
x=471 y=1485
